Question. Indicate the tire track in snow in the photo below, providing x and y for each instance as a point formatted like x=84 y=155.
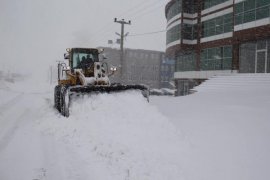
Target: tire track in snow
x=4 y=107
x=6 y=138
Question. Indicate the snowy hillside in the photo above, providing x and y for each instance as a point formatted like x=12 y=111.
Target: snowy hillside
x=220 y=132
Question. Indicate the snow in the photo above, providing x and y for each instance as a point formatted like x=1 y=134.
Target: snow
x=122 y=140
x=219 y=132
x=227 y=125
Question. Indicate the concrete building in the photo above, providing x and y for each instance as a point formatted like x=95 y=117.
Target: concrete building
x=140 y=67
x=212 y=37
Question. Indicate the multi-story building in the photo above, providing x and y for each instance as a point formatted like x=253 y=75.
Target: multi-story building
x=139 y=67
x=212 y=37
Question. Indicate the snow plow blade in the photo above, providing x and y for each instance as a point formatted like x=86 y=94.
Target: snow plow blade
x=108 y=89
x=113 y=88
x=64 y=92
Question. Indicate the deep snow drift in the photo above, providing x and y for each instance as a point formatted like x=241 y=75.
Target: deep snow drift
x=220 y=132
x=227 y=126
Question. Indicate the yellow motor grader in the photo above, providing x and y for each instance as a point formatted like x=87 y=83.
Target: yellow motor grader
x=86 y=72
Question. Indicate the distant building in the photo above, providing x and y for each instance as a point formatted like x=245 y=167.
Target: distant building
x=140 y=67
x=113 y=59
x=212 y=37
x=166 y=73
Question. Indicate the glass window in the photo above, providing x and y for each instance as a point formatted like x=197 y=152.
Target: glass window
x=249 y=16
x=239 y=8
x=174 y=10
x=238 y=19
x=205 y=25
x=218 y=54
x=261 y=44
x=83 y=58
x=211 y=32
x=219 y=29
x=251 y=10
x=218 y=25
x=211 y=23
x=227 y=28
x=260 y=3
x=204 y=54
x=186 y=62
x=227 y=63
x=210 y=3
x=227 y=51
x=173 y=34
x=262 y=13
x=219 y=21
x=189 y=31
x=206 y=4
x=249 y=5
x=219 y=58
x=211 y=53
x=227 y=18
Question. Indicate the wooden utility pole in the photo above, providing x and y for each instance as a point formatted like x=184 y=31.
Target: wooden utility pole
x=123 y=23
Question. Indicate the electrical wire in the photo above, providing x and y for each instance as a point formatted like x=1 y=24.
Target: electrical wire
x=106 y=29
x=147 y=12
x=126 y=12
x=143 y=9
x=139 y=5
x=148 y=33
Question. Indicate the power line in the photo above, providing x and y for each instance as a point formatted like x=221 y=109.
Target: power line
x=139 y=5
x=137 y=11
x=145 y=8
x=147 y=12
x=126 y=12
x=148 y=33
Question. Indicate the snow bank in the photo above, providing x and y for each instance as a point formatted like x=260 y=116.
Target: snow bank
x=227 y=126
x=121 y=136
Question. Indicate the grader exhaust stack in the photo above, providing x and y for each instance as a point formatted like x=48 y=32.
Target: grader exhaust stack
x=85 y=73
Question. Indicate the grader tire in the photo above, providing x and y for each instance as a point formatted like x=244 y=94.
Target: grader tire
x=64 y=101
x=57 y=97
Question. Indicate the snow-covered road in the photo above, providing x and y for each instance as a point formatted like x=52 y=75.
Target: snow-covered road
x=25 y=153
x=222 y=132
x=109 y=136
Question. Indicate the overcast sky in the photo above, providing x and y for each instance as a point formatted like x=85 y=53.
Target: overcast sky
x=37 y=32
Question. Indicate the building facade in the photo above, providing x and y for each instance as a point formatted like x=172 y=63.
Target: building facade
x=213 y=37
x=139 y=67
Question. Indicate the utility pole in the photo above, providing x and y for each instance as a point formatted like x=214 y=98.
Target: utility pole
x=123 y=23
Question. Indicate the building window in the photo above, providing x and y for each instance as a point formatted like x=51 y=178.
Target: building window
x=174 y=9
x=173 y=34
x=189 y=31
x=185 y=62
x=255 y=57
x=218 y=58
x=251 y=10
x=218 y=25
x=190 y=6
x=210 y=3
